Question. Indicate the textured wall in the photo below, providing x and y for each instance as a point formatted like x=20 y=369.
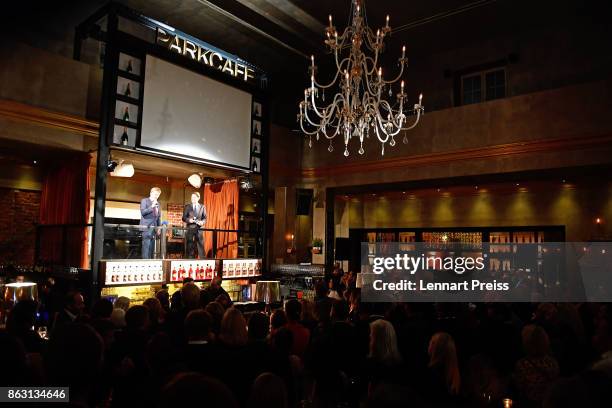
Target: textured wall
x=19 y=213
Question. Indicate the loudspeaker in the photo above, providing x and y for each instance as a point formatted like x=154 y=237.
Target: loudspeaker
x=343 y=249
x=304 y=202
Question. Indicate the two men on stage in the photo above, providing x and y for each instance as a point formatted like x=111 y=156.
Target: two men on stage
x=194 y=215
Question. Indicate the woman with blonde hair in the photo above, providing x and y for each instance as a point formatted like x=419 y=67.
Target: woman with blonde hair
x=443 y=364
x=383 y=343
x=233 y=329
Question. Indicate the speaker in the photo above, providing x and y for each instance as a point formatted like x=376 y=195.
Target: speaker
x=343 y=249
x=304 y=202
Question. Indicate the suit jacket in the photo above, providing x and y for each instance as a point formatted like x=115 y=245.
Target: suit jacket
x=189 y=213
x=147 y=213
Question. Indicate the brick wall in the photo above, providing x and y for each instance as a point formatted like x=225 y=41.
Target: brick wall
x=175 y=214
x=19 y=211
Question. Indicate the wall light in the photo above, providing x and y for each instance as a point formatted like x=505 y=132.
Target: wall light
x=123 y=169
x=195 y=180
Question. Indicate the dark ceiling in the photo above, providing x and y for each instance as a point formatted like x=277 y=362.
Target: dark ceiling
x=280 y=35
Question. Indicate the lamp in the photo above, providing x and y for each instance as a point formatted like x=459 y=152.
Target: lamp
x=15 y=292
x=195 y=180
x=123 y=169
x=267 y=292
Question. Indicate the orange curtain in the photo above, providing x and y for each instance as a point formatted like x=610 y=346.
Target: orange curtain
x=221 y=201
x=65 y=200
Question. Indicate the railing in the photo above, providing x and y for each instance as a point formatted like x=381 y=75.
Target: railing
x=70 y=245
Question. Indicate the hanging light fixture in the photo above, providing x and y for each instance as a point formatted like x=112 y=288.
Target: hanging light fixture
x=195 y=180
x=356 y=101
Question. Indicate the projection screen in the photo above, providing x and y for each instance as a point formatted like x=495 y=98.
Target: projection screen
x=192 y=115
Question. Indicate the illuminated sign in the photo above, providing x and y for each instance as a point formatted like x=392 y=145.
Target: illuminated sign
x=205 y=55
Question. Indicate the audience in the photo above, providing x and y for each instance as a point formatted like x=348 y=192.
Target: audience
x=200 y=350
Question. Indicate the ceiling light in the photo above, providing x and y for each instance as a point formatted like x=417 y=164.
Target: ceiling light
x=360 y=99
x=195 y=180
x=123 y=170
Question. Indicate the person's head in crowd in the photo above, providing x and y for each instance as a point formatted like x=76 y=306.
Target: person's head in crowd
x=308 y=310
x=268 y=391
x=233 y=328
x=13 y=360
x=293 y=310
x=102 y=309
x=278 y=319
x=137 y=318
x=118 y=318
x=187 y=280
x=160 y=356
x=383 y=343
x=197 y=325
x=223 y=300
x=535 y=341
x=74 y=303
x=259 y=327
x=106 y=329
x=216 y=311
x=190 y=296
x=22 y=317
x=282 y=341
x=122 y=302
x=155 y=310
x=321 y=289
x=340 y=311
x=195 y=197
x=164 y=299
x=443 y=355
x=546 y=313
x=74 y=356
x=189 y=389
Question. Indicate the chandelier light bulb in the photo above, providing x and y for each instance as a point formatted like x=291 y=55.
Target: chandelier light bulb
x=404 y=51
x=387 y=21
x=330 y=21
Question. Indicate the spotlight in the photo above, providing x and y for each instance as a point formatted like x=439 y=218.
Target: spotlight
x=111 y=165
x=123 y=170
x=195 y=180
x=246 y=184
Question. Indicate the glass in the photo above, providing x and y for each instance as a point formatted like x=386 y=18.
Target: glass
x=42 y=332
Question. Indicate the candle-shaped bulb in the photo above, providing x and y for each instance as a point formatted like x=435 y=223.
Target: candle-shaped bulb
x=379 y=72
x=377 y=34
x=346 y=75
x=420 y=98
x=387 y=21
x=312 y=60
x=330 y=21
x=358 y=9
x=403 y=51
x=402 y=85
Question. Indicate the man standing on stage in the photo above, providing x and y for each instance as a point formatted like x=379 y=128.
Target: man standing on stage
x=194 y=215
x=150 y=217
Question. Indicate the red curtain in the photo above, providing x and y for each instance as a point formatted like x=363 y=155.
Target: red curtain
x=221 y=201
x=65 y=200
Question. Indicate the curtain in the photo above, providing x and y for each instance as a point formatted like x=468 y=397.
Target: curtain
x=65 y=200
x=221 y=200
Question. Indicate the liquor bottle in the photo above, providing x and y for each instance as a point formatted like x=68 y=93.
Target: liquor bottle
x=174 y=276
x=126 y=114
x=190 y=273
x=181 y=272
x=255 y=149
x=129 y=66
x=128 y=90
x=124 y=137
x=255 y=166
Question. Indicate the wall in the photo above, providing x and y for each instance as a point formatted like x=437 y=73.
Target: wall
x=19 y=213
x=576 y=206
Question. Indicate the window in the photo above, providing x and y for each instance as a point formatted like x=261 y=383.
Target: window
x=483 y=86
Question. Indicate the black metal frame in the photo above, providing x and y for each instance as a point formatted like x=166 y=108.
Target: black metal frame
x=120 y=42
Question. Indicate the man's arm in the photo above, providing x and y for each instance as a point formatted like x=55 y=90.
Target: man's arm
x=144 y=209
x=186 y=214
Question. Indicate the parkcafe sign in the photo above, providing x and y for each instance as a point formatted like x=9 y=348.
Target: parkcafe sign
x=207 y=56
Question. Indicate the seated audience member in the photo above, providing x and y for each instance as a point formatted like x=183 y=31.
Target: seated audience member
x=117 y=318
x=199 y=352
x=268 y=391
x=212 y=292
x=384 y=360
x=323 y=303
x=278 y=319
x=232 y=350
x=156 y=313
x=74 y=304
x=308 y=318
x=164 y=299
x=14 y=356
x=102 y=309
x=216 y=312
x=20 y=323
x=301 y=335
x=123 y=303
x=190 y=389
x=535 y=372
x=444 y=380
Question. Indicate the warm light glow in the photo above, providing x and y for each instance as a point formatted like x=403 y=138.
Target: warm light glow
x=195 y=180
x=123 y=170
x=598 y=221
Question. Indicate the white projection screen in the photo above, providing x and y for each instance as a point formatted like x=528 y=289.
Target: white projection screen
x=191 y=115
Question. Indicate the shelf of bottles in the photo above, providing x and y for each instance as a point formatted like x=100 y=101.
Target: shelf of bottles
x=240 y=268
x=127 y=100
x=128 y=272
x=198 y=270
x=502 y=249
x=137 y=294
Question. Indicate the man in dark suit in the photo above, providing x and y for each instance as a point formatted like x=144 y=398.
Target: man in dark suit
x=194 y=215
x=150 y=217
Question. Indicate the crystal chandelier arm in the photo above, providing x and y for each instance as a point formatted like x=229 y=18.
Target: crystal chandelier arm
x=418 y=116
x=398 y=75
x=338 y=72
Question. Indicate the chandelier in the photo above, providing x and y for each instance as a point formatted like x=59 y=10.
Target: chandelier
x=357 y=105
